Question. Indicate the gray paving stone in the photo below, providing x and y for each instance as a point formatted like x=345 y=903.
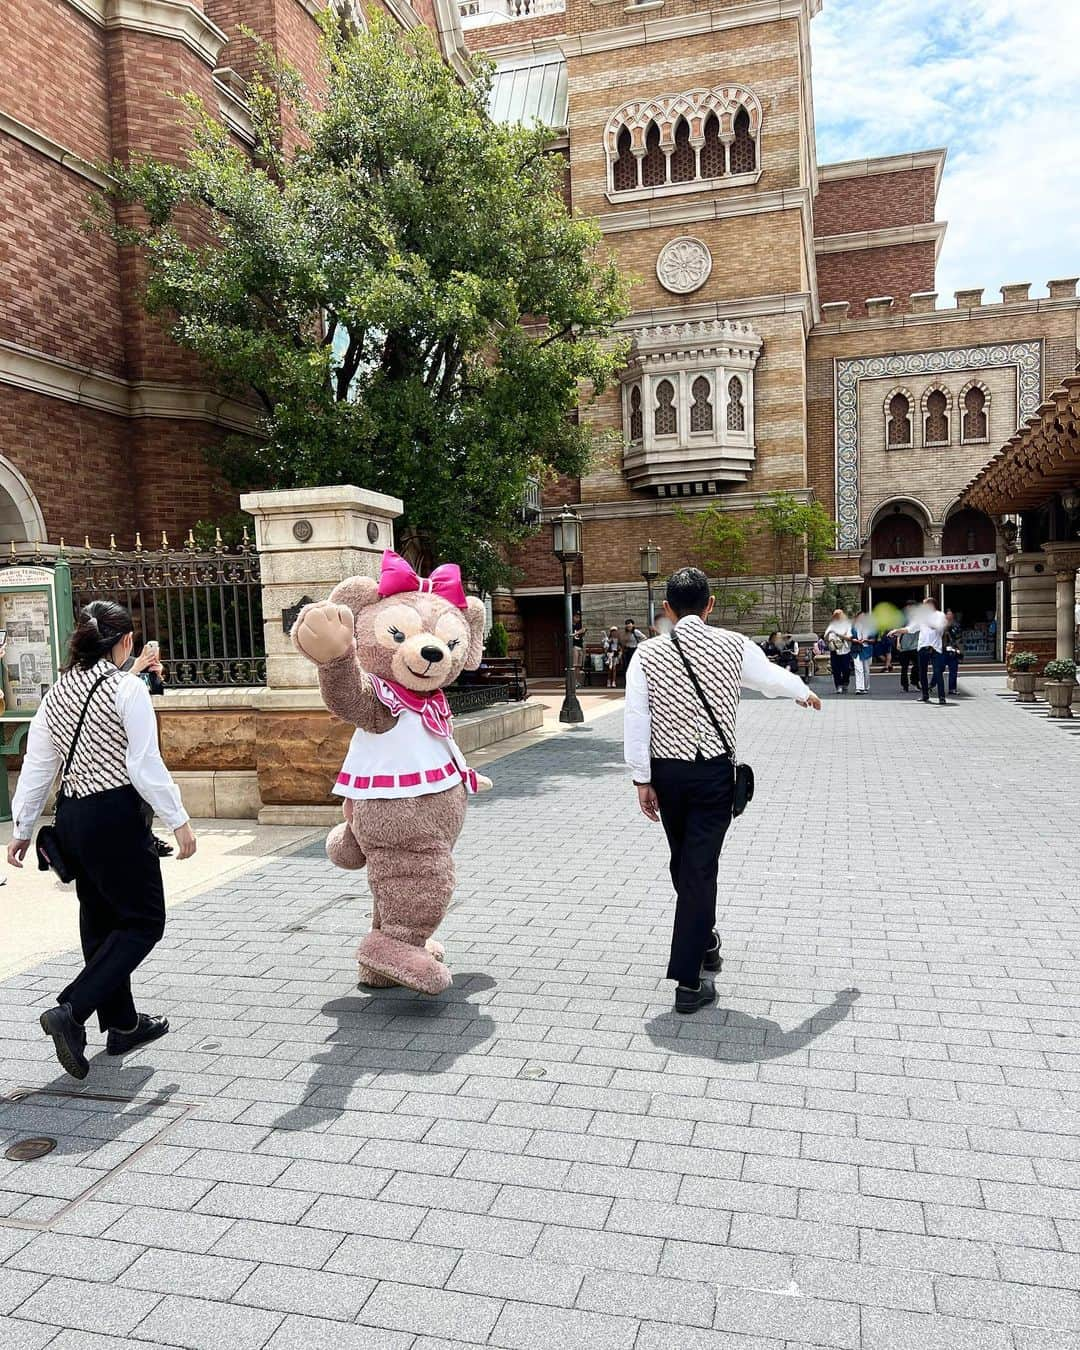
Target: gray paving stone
x=269 y=1204
x=387 y=1259
x=61 y=1254
x=167 y=1228
x=591 y=1249
x=318 y=1333
x=653 y=1297
x=436 y=1312
x=479 y=1232
x=83 y=1306
x=524 y=1326
x=508 y=1277
x=313 y=1293
x=214 y=1277
x=946 y=1255
x=196 y=1324
x=808 y=1320
x=887 y=1329
x=1001 y=1301
x=17 y=1335
x=282 y=1244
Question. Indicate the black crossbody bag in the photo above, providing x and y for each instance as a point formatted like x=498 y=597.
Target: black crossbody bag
x=744 y=774
x=47 y=844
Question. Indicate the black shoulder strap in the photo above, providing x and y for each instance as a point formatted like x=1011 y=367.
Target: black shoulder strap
x=701 y=695
x=79 y=726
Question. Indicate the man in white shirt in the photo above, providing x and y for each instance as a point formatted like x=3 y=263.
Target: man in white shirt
x=679 y=744
x=930 y=624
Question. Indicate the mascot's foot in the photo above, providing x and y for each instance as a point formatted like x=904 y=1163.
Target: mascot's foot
x=437 y=950
x=400 y=963
x=371 y=979
x=342 y=848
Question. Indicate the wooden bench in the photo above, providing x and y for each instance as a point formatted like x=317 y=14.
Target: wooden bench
x=506 y=670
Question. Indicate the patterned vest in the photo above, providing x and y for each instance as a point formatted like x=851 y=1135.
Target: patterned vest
x=680 y=725
x=100 y=761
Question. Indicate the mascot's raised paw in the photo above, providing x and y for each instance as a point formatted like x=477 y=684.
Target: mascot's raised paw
x=324 y=632
x=483 y=784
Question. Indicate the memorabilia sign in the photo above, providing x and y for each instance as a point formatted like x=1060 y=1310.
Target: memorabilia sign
x=934 y=567
x=28 y=619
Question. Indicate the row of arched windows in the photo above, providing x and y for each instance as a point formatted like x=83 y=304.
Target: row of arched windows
x=665 y=412
x=683 y=161
x=936 y=416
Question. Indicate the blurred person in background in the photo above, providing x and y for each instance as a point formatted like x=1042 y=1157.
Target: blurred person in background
x=838 y=641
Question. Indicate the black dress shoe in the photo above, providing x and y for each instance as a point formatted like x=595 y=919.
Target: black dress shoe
x=147 y=1029
x=161 y=848
x=713 y=960
x=68 y=1037
x=693 y=1000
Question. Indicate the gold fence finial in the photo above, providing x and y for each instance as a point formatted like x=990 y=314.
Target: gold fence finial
x=138 y=542
x=164 y=541
x=112 y=543
x=86 y=542
x=13 y=548
x=62 y=547
x=217 y=536
x=189 y=542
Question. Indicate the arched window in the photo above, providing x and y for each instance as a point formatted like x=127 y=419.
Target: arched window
x=654 y=165
x=968 y=531
x=936 y=418
x=736 y=413
x=665 y=421
x=975 y=425
x=625 y=171
x=743 y=149
x=683 y=159
x=635 y=413
x=701 y=418
x=898 y=421
x=714 y=151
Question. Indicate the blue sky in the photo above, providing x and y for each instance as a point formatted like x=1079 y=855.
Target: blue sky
x=993 y=80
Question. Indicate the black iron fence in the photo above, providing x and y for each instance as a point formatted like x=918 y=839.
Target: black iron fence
x=202 y=606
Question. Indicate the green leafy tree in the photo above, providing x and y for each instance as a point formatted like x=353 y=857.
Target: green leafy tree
x=402 y=288
x=722 y=542
x=795 y=533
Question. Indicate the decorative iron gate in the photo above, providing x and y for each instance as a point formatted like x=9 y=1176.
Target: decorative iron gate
x=204 y=607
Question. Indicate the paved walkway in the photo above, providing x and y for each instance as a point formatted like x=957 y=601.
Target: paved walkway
x=873 y=1142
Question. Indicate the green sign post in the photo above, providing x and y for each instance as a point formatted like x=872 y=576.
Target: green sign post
x=36 y=620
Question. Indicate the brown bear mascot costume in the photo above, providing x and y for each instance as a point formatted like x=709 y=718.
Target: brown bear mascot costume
x=384 y=650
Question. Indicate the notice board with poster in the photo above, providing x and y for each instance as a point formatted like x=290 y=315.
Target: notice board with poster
x=36 y=620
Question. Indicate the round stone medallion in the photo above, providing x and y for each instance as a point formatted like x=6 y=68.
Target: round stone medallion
x=683 y=265
x=302 y=531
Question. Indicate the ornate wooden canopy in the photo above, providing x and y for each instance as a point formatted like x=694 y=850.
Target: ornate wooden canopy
x=1039 y=460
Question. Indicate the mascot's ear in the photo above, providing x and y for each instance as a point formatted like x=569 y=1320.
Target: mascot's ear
x=355 y=592
x=475 y=616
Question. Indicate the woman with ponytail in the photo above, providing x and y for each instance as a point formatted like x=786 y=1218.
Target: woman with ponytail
x=102 y=721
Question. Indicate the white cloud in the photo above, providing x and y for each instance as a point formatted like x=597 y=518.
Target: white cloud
x=994 y=81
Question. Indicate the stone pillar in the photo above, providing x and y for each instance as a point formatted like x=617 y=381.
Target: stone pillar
x=1065 y=560
x=1034 y=602
x=308 y=540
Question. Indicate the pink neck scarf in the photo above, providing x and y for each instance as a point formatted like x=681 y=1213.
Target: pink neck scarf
x=434 y=709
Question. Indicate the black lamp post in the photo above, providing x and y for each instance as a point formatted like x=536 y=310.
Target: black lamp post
x=566 y=541
x=650 y=570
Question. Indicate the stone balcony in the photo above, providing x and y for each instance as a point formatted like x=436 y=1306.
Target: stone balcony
x=484 y=13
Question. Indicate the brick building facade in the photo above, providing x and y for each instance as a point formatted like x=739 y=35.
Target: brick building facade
x=785 y=329
x=690 y=134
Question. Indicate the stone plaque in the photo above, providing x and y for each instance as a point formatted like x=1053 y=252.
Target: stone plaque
x=683 y=265
x=302 y=531
x=289 y=616
x=372 y=532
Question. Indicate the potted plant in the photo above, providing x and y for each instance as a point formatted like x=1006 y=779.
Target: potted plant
x=1023 y=668
x=1060 y=681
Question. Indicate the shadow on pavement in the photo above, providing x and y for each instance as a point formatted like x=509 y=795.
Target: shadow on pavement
x=373 y=1035
x=744 y=1039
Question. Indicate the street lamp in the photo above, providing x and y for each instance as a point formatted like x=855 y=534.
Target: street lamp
x=650 y=570
x=566 y=541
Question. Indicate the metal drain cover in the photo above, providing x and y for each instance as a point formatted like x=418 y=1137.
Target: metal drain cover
x=26 y=1150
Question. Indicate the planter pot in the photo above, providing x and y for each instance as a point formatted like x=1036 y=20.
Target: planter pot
x=1059 y=694
x=1025 y=685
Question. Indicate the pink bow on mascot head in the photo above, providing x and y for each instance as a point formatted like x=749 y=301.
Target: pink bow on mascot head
x=397 y=576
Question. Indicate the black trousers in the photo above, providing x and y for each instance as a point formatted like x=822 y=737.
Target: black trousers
x=695 y=808
x=121 y=901
x=909 y=669
x=841 y=669
x=930 y=660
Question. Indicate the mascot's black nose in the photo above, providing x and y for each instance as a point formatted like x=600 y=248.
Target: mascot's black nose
x=431 y=654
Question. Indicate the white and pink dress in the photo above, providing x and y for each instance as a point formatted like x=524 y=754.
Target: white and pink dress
x=418 y=756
